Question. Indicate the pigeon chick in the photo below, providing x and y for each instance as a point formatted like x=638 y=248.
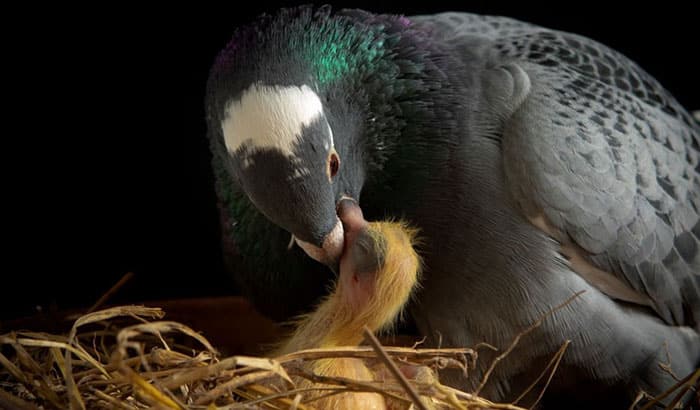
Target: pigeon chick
x=378 y=273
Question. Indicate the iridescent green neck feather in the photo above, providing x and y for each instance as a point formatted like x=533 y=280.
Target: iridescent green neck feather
x=338 y=52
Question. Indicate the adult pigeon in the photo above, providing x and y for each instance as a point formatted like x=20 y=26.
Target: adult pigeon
x=536 y=164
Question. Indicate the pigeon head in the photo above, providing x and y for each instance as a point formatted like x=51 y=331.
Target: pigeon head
x=284 y=156
x=309 y=106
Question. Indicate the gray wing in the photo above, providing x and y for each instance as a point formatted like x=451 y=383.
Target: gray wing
x=453 y=24
x=599 y=148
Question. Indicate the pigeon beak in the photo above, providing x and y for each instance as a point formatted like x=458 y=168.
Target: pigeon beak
x=349 y=222
x=331 y=249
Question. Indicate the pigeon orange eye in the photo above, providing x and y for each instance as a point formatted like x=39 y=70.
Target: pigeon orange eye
x=333 y=164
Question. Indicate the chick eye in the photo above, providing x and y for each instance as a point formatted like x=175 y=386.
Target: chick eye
x=333 y=164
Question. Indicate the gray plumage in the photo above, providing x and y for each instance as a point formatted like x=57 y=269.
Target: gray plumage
x=592 y=142
x=556 y=165
x=603 y=150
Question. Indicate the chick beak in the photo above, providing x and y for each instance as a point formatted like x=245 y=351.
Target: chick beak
x=353 y=221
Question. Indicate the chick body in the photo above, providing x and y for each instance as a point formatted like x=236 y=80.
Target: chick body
x=378 y=272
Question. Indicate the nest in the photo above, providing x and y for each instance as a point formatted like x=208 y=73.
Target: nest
x=121 y=358
x=127 y=358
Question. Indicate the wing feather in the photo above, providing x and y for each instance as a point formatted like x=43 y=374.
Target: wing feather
x=600 y=148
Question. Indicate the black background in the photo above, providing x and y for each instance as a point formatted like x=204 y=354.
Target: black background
x=105 y=160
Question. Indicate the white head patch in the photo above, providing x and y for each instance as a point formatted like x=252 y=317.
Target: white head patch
x=270 y=117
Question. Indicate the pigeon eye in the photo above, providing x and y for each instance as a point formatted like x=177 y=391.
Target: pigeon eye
x=333 y=164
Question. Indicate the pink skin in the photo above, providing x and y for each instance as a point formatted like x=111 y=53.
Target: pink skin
x=358 y=286
x=353 y=220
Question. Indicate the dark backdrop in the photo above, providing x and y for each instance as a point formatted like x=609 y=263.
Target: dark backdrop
x=107 y=168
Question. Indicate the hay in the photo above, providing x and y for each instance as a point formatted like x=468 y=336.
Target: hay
x=125 y=357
